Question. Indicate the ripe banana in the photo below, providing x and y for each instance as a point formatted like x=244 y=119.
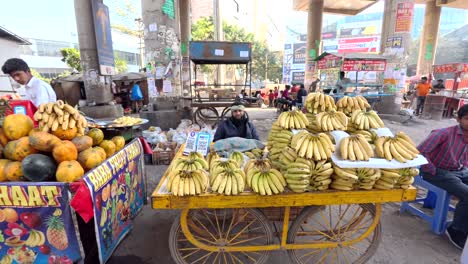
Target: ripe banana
x=319 y=102
x=184 y=182
x=399 y=148
x=293 y=120
x=355 y=148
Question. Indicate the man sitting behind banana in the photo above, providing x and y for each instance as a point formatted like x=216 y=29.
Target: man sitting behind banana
x=238 y=125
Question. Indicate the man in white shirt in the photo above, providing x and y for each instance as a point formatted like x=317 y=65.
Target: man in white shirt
x=37 y=91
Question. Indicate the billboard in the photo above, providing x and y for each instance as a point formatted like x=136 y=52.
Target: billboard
x=102 y=30
x=367 y=44
x=360 y=29
x=404 y=17
x=299 y=53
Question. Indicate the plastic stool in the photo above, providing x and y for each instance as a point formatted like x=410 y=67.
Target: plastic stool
x=438 y=199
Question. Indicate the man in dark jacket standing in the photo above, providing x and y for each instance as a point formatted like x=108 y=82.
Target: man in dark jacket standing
x=238 y=125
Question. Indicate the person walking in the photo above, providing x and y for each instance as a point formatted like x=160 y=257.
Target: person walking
x=447 y=154
x=136 y=97
x=422 y=89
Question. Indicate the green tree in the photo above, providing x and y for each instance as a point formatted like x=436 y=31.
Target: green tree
x=71 y=57
x=263 y=60
x=120 y=64
x=39 y=76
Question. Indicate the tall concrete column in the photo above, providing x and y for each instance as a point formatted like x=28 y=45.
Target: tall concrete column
x=219 y=36
x=97 y=87
x=185 y=32
x=428 y=44
x=314 y=38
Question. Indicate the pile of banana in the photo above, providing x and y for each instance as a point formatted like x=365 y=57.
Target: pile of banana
x=228 y=181
x=313 y=126
x=262 y=164
x=278 y=137
x=321 y=172
x=332 y=120
x=275 y=154
x=293 y=120
x=287 y=156
x=365 y=120
x=266 y=182
x=344 y=179
x=312 y=146
x=319 y=102
x=211 y=158
x=194 y=161
x=127 y=121
x=255 y=153
x=187 y=182
x=406 y=177
x=388 y=179
x=350 y=104
x=52 y=115
x=400 y=148
x=356 y=148
x=219 y=165
x=237 y=157
x=370 y=136
x=298 y=176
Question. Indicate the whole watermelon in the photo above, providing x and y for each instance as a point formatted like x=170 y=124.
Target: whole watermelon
x=38 y=167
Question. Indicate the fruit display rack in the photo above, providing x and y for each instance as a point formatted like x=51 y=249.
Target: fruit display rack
x=333 y=226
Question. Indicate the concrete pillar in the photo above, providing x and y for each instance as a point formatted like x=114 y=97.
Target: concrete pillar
x=428 y=44
x=219 y=36
x=97 y=87
x=185 y=32
x=314 y=38
x=162 y=47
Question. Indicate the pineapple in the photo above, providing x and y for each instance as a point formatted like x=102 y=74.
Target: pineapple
x=56 y=234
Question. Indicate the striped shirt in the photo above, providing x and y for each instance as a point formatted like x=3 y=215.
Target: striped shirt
x=444 y=149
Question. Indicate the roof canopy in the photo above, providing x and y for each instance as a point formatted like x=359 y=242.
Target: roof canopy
x=342 y=7
x=220 y=52
x=5 y=34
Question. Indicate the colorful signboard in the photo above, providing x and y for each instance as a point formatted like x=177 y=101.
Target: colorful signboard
x=299 y=52
x=118 y=191
x=297 y=77
x=450 y=67
x=36 y=224
x=102 y=30
x=363 y=65
x=329 y=61
x=404 y=17
x=352 y=45
x=361 y=29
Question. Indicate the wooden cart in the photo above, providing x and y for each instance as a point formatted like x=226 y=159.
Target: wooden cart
x=314 y=227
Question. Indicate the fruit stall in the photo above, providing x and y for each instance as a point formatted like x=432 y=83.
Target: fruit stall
x=67 y=193
x=316 y=189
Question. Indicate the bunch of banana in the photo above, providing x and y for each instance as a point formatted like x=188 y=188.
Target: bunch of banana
x=344 y=179
x=356 y=147
x=192 y=162
x=332 y=120
x=36 y=238
x=211 y=157
x=312 y=146
x=367 y=177
x=228 y=182
x=321 y=172
x=313 y=126
x=293 y=120
x=319 y=102
x=406 y=177
x=237 y=157
x=279 y=138
x=370 y=136
x=262 y=164
x=184 y=182
x=288 y=155
x=52 y=115
x=365 y=120
x=350 y=104
x=219 y=166
x=266 y=182
x=255 y=153
x=388 y=179
x=400 y=148
x=297 y=176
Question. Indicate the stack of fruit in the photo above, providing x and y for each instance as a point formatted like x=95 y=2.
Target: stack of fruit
x=312 y=146
x=287 y=156
x=48 y=155
x=261 y=164
x=255 y=153
x=187 y=175
x=370 y=136
x=194 y=161
x=266 y=182
x=228 y=181
x=348 y=104
x=332 y=120
x=298 y=175
x=406 y=177
x=237 y=157
x=396 y=178
x=400 y=147
x=344 y=179
x=365 y=120
x=319 y=102
x=313 y=126
x=356 y=148
x=321 y=172
x=293 y=120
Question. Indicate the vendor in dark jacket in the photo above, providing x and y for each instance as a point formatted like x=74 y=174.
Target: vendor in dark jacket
x=238 y=125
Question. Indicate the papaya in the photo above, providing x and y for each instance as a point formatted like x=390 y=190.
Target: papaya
x=82 y=142
x=43 y=141
x=109 y=147
x=119 y=142
x=67 y=134
x=3 y=163
x=3 y=138
x=97 y=135
x=34 y=130
x=38 y=167
x=69 y=171
x=18 y=149
x=65 y=150
x=16 y=126
x=90 y=158
x=13 y=171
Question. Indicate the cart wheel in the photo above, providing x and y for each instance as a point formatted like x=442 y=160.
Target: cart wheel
x=219 y=228
x=226 y=110
x=336 y=223
x=206 y=116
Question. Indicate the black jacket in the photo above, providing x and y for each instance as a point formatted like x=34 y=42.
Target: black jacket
x=228 y=129
x=300 y=93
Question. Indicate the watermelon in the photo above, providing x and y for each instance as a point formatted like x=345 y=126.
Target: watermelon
x=38 y=167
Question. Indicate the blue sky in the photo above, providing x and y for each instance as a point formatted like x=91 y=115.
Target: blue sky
x=48 y=19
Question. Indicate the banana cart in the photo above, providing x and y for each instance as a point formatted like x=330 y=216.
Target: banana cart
x=314 y=227
x=208 y=97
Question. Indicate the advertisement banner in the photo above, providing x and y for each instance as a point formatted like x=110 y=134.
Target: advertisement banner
x=36 y=224
x=361 y=29
x=404 y=17
x=102 y=29
x=363 y=65
x=368 y=44
x=297 y=77
x=329 y=61
x=118 y=191
x=299 y=53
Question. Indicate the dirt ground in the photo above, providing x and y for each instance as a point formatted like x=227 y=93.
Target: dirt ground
x=405 y=238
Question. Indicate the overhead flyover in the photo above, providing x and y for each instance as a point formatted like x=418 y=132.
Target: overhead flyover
x=341 y=7
x=461 y=4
